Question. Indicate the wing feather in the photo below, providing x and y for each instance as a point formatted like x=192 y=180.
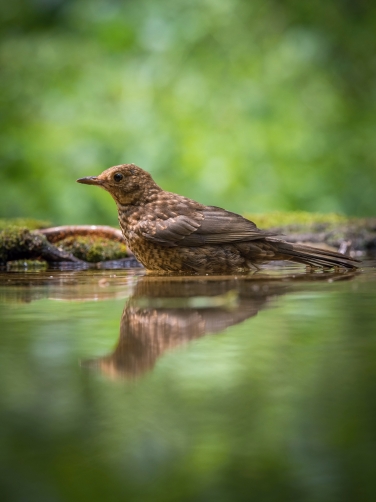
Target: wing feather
x=211 y=225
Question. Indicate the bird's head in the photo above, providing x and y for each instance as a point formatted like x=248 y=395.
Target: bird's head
x=126 y=183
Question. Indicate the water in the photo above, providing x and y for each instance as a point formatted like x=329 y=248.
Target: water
x=117 y=386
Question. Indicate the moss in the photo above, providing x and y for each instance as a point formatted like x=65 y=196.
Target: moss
x=296 y=218
x=93 y=249
x=24 y=223
x=331 y=229
x=18 y=243
x=14 y=241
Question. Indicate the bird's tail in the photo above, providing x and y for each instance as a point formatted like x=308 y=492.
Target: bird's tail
x=315 y=257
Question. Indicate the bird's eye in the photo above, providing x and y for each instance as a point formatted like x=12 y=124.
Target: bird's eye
x=118 y=177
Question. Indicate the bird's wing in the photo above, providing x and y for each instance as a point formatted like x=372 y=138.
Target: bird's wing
x=211 y=225
x=169 y=231
x=219 y=226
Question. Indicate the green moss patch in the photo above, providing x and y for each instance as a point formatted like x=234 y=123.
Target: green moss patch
x=23 y=223
x=94 y=249
x=18 y=241
x=15 y=240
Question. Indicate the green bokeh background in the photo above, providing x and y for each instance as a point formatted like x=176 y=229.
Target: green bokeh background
x=253 y=105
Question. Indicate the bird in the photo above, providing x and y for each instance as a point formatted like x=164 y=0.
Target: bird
x=172 y=234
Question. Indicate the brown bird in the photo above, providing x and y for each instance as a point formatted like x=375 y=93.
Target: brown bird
x=171 y=233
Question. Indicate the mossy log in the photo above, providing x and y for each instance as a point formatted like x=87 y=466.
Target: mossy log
x=56 y=234
x=338 y=232
x=21 y=243
x=102 y=245
x=76 y=244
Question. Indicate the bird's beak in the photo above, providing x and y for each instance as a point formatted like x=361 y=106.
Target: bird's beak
x=90 y=180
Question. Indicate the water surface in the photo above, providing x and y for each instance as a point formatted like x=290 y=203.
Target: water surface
x=119 y=386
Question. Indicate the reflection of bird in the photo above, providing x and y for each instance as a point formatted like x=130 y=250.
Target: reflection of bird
x=168 y=232
x=164 y=313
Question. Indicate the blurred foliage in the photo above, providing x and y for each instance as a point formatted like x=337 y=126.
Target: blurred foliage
x=262 y=105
